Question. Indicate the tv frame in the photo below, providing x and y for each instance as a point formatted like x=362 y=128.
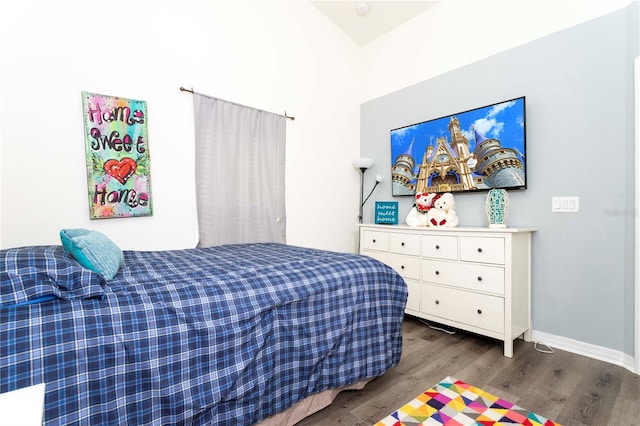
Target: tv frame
x=496 y=131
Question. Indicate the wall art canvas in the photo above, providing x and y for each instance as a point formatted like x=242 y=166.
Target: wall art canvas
x=118 y=169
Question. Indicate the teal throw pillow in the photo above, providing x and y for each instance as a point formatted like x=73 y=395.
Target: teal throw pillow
x=93 y=250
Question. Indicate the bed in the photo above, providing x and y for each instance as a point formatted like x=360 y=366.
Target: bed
x=226 y=335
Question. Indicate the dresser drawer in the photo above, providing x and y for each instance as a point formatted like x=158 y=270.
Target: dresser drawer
x=437 y=271
x=413 y=300
x=406 y=266
x=404 y=243
x=375 y=240
x=482 y=249
x=489 y=279
x=477 y=310
x=440 y=247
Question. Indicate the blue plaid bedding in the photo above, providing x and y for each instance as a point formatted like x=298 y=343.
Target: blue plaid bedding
x=226 y=335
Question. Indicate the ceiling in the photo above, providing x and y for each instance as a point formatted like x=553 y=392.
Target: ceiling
x=380 y=18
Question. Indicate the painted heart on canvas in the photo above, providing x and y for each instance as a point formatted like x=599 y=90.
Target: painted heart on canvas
x=120 y=170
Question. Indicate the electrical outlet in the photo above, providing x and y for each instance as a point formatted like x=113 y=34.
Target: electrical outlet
x=565 y=204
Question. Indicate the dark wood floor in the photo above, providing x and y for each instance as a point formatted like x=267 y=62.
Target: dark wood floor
x=565 y=387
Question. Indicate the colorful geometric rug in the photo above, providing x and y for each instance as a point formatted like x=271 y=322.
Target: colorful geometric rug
x=454 y=403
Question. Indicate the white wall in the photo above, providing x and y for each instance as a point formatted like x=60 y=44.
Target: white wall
x=454 y=33
x=273 y=55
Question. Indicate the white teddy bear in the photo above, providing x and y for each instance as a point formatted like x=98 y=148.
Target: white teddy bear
x=418 y=214
x=443 y=213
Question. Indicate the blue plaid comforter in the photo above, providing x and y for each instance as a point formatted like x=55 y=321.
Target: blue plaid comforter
x=226 y=335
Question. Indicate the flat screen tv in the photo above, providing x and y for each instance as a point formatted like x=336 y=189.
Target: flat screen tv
x=474 y=150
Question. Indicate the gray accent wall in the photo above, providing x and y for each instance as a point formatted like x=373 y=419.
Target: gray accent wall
x=578 y=85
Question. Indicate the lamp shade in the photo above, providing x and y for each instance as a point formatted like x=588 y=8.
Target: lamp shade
x=362 y=163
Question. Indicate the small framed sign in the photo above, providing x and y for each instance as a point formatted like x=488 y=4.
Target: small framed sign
x=387 y=212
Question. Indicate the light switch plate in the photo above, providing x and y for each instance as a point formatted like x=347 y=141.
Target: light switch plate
x=565 y=204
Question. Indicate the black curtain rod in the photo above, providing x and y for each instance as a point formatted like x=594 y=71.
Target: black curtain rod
x=182 y=89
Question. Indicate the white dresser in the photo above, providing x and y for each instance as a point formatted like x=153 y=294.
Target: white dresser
x=474 y=279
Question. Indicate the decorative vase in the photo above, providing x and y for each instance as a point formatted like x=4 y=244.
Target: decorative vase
x=497 y=207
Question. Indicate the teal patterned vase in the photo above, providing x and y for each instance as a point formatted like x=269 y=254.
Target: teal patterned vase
x=497 y=207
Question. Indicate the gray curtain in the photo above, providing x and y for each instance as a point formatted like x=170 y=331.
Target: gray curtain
x=240 y=165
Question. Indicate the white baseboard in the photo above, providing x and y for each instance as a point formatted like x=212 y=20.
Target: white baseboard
x=587 y=349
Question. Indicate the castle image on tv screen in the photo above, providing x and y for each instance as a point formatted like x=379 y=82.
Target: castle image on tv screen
x=479 y=149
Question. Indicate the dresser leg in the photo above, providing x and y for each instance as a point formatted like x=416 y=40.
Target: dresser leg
x=508 y=348
x=527 y=336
